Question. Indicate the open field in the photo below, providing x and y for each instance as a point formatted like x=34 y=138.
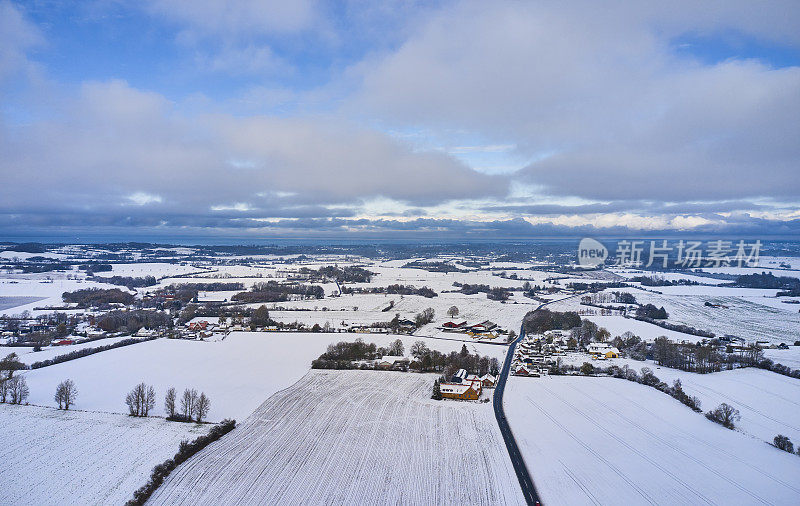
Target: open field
x=747 y=317
x=51 y=457
x=353 y=437
x=238 y=373
x=769 y=403
x=610 y=441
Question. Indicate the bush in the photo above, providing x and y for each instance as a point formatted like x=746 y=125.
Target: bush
x=782 y=442
x=725 y=415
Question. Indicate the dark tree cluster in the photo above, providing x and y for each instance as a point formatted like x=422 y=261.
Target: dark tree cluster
x=652 y=312
x=216 y=286
x=132 y=321
x=493 y=293
x=127 y=281
x=395 y=289
x=272 y=291
x=98 y=297
x=93 y=267
x=767 y=280
x=661 y=281
x=433 y=266
x=538 y=322
x=346 y=274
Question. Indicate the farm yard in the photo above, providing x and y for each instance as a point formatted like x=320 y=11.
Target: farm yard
x=611 y=441
x=51 y=457
x=353 y=437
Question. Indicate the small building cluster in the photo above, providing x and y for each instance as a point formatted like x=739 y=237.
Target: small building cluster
x=483 y=330
x=536 y=353
x=466 y=387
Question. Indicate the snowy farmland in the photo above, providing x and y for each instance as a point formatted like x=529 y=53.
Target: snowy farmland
x=353 y=437
x=610 y=441
x=51 y=457
x=752 y=318
x=238 y=373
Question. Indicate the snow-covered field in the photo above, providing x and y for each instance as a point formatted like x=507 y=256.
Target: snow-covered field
x=28 y=356
x=238 y=373
x=609 y=441
x=789 y=358
x=353 y=437
x=769 y=403
x=748 y=317
x=51 y=457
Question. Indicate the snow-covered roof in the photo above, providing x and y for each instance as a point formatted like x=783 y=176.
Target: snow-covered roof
x=393 y=358
x=455 y=388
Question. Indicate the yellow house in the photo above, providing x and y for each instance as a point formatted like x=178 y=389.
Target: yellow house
x=461 y=391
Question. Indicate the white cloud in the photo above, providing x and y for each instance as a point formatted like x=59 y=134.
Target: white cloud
x=142 y=198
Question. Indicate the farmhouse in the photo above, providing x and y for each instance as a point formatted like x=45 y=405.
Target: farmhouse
x=452 y=326
x=394 y=362
x=488 y=381
x=603 y=350
x=462 y=391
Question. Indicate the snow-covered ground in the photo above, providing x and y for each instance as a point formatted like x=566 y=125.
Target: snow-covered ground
x=28 y=356
x=610 y=441
x=769 y=403
x=751 y=318
x=789 y=358
x=353 y=437
x=238 y=373
x=51 y=457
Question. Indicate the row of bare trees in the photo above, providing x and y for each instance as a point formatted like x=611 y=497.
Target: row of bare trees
x=193 y=406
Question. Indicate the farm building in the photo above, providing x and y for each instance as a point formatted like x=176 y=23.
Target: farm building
x=394 y=362
x=462 y=391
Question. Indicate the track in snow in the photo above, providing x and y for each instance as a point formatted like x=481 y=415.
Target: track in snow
x=353 y=437
x=609 y=441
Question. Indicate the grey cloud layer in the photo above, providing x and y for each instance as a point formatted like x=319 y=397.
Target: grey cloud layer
x=595 y=92
x=115 y=142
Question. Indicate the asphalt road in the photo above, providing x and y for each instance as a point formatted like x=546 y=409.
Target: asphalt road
x=524 y=477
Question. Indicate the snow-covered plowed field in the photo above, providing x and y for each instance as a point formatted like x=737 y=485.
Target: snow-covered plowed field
x=751 y=318
x=769 y=403
x=238 y=373
x=611 y=441
x=51 y=457
x=789 y=358
x=353 y=437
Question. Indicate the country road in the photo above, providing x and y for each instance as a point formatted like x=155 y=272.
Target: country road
x=524 y=477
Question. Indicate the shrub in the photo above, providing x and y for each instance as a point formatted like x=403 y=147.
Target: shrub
x=725 y=415
x=782 y=442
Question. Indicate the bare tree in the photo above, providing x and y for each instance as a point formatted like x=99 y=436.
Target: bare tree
x=141 y=400
x=17 y=389
x=169 y=402
x=3 y=389
x=188 y=401
x=149 y=401
x=201 y=407
x=725 y=415
x=453 y=312
x=66 y=392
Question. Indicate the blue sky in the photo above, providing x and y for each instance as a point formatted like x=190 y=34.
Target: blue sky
x=354 y=119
